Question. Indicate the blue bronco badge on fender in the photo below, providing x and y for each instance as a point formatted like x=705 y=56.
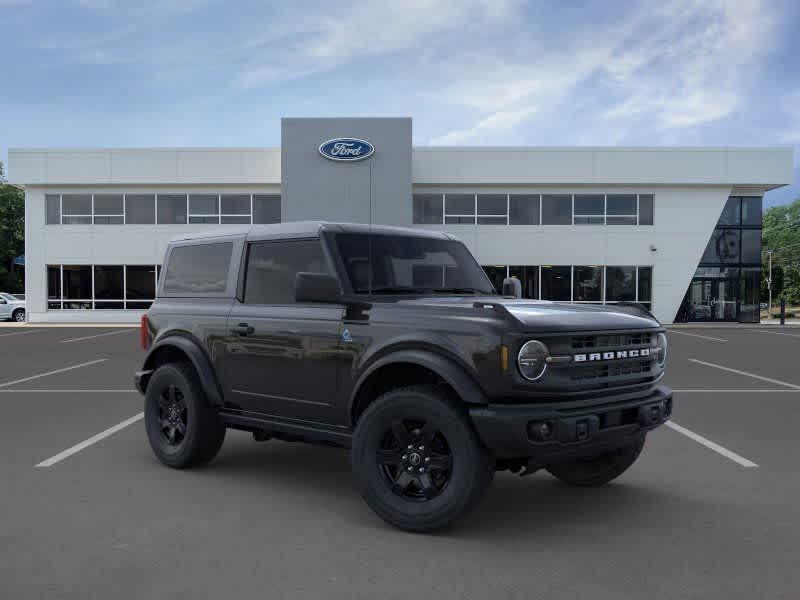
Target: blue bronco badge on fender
x=346 y=149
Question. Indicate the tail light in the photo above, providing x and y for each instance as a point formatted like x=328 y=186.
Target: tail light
x=144 y=333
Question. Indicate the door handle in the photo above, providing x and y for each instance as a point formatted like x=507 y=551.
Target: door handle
x=243 y=329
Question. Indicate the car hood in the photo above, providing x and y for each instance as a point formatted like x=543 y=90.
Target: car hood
x=544 y=316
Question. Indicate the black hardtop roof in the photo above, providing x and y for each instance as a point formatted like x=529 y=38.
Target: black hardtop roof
x=305 y=229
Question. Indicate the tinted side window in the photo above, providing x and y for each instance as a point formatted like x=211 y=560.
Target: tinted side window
x=198 y=269
x=273 y=266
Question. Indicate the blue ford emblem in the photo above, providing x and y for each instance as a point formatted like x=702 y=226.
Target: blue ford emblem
x=346 y=149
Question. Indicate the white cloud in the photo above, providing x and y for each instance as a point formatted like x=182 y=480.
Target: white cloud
x=681 y=65
x=496 y=122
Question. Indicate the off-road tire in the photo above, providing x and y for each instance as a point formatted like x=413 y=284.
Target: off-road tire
x=204 y=431
x=471 y=467
x=598 y=470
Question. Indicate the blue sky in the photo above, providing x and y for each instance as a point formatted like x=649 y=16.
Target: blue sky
x=470 y=72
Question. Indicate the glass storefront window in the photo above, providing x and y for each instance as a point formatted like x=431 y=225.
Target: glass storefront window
x=459 y=209
x=645 y=291
x=556 y=283
x=523 y=209
x=751 y=211
x=750 y=295
x=620 y=284
x=496 y=274
x=730 y=214
x=751 y=246
x=723 y=247
x=529 y=278
x=587 y=284
x=557 y=209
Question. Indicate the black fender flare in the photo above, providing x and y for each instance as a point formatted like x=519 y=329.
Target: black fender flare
x=198 y=358
x=449 y=370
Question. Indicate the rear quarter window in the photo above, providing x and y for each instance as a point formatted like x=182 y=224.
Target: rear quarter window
x=198 y=269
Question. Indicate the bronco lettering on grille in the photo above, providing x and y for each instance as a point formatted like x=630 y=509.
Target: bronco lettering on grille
x=614 y=355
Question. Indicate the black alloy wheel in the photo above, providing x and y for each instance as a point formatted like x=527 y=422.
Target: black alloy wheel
x=416 y=459
x=183 y=428
x=172 y=415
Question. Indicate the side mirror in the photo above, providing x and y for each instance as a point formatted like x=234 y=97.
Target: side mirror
x=317 y=287
x=512 y=287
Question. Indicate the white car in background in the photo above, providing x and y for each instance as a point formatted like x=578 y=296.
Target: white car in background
x=12 y=308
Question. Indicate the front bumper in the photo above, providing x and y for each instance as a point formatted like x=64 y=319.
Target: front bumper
x=552 y=432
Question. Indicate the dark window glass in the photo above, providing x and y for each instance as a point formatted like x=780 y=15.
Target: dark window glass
x=730 y=214
x=54 y=306
x=234 y=220
x=272 y=269
x=76 y=204
x=529 y=279
x=198 y=269
x=620 y=284
x=749 y=294
x=76 y=209
x=621 y=204
x=589 y=209
x=108 y=204
x=459 y=204
x=53 y=209
x=587 y=284
x=723 y=247
x=428 y=209
x=109 y=305
x=266 y=208
x=171 y=209
x=614 y=220
x=140 y=282
x=556 y=210
x=523 y=209
x=409 y=264
x=138 y=305
x=108 y=282
x=53 y=282
x=492 y=204
x=751 y=211
x=203 y=204
x=235 y=204
x=646 y=209
x=78 y=282
x=751 y=245
x=496 y=274
x=140 y=209
x=556 y=283
x=206 y=220
x=645 y=284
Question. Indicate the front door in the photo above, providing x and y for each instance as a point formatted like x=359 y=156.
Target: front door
x=711 y=300
x=281 y=358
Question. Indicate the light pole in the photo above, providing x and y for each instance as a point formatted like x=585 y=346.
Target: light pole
x=769 y=286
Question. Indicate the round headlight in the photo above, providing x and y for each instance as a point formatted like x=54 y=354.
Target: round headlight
x=532 y=360
x=661 y=344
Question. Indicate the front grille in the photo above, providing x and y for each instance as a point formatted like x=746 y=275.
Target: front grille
x=581 y=342
x=642 y=367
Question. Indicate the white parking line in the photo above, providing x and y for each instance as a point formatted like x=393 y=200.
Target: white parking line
x=24 y=379
x=745 y=373
x=91 y=337
x=22 y=332
x=794 y=335
x=46 y=391
x=697 y=335
x=90 y=441
x=730 y=455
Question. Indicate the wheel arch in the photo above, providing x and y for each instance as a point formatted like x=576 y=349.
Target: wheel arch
x=426 y=366
x=181 y=347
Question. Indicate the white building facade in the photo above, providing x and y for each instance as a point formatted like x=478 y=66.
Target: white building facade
x=677 y=229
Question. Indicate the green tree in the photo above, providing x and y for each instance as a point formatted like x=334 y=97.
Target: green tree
x=781 y=235
x=12 y=235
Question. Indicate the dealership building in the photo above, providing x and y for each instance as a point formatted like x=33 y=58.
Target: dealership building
x=677 y=229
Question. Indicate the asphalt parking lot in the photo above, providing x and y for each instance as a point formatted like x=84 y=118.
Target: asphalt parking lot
x=710 y=510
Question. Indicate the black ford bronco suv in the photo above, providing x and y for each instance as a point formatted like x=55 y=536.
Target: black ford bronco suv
x=393 y=342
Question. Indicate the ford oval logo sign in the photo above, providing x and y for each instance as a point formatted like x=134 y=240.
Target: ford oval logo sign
x=346 y=149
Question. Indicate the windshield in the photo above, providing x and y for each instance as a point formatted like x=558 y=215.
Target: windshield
x=411 y=265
